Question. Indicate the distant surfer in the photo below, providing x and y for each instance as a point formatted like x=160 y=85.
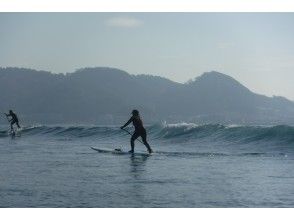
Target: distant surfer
x=139 y=131
x=13 y=120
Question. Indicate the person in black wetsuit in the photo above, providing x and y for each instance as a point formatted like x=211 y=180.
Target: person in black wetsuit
x=139 y=131
x=13 y=120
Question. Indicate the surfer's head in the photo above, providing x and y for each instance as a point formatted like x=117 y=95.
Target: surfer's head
x=135 y=112
x=10 y=111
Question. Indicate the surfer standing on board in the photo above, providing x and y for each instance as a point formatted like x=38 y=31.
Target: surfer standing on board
x=139 y=131
x=13 y=120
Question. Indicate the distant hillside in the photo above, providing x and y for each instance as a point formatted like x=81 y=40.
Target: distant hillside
x=107 y=95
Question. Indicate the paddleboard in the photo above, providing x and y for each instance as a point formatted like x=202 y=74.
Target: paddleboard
x=119 y=152
x=12 y=133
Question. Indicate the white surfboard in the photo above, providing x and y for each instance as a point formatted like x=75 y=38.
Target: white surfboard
x=119 y=152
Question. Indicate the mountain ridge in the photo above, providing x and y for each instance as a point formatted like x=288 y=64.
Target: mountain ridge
x=107 y=95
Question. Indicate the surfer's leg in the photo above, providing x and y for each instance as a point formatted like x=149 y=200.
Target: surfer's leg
x=17 y=124
x=11 y=126
x=133 y=138
x=144 y=139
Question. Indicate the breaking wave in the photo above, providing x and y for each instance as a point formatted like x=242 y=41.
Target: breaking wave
x=181 y=132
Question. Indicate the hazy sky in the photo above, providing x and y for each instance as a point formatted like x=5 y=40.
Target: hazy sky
x=256 y=49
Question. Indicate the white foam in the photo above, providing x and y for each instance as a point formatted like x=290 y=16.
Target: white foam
x=185 y=125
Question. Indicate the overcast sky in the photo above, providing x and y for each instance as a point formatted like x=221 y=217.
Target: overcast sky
x=256 y=49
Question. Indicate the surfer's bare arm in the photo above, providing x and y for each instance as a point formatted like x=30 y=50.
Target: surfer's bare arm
x=126 y=124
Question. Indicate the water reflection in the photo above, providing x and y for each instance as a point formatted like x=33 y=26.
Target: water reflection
x=137 y=164
x=138 y=177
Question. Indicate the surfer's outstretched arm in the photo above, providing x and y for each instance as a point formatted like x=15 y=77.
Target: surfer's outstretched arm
x=7 y=116
x=126 y=124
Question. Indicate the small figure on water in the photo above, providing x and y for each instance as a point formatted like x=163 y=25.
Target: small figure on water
x=139 y=131
x=13 y=120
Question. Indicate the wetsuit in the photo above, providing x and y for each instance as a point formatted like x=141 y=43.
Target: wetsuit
x=13 y=120
x=139 y=131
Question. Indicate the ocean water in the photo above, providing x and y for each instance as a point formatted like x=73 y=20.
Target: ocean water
x=193 y=166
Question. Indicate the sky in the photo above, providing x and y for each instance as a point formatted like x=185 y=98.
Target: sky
x=257 y=49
